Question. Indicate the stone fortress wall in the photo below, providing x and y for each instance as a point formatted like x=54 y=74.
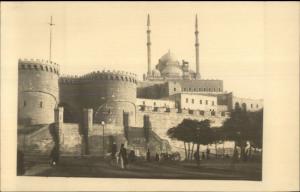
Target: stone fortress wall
x=38 y=91
x=108 y=93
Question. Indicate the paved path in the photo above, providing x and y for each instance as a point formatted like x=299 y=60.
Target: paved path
x=95 y=167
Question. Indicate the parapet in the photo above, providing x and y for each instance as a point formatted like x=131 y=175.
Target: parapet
x=101 y=75
x=38 y=65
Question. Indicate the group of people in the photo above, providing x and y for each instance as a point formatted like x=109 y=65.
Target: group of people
x=123 y=158
x=197 y=155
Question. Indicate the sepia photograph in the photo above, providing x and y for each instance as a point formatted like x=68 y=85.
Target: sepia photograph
x=140 y=90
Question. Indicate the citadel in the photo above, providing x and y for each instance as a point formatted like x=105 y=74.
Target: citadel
x=114 y=106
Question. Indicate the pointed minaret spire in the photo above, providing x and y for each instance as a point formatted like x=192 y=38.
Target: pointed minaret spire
x=197 y=48
x=148 y=46
x=50 y=50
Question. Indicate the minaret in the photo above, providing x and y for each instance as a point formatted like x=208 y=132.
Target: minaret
x=148 y=46
x=50 y=50
x=197 y=49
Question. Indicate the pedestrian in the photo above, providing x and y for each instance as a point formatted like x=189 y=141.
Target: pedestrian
x=123 y=157
x=113 y=153
x=148 y=155
x=54 y=155
x=203 y=155
x=197 y=157
x=207 y=153
x=131 y=156
x=157 y=157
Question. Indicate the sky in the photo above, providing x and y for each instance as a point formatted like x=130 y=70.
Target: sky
x=90 y=36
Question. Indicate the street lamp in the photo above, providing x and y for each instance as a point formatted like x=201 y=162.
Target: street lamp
x=103 y=123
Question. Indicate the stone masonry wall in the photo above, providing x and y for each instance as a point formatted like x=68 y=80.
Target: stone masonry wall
x=162 y=121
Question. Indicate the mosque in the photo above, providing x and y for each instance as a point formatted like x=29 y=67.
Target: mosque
x=116 y=102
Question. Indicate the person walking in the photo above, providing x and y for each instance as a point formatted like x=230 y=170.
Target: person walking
x=157 y=157
x=54 y=155
x=207 y=153
x=197 y=157
x=123 y=157
x=113 y=153
x=148 y=155
x=131 y=156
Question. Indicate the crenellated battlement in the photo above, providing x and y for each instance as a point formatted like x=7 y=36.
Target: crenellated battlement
x=101 y=75
x=39 y=65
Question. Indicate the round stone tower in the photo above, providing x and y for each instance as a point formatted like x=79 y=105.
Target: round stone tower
x=110 y=94
x=37 y=91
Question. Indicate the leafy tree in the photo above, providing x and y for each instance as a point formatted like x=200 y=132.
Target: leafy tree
x=243 y=126
x=192 y=132
x=184 y=132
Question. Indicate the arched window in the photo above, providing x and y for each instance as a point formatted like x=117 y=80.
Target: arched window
x=244 y=106
x=213 y=113
x=237 y=105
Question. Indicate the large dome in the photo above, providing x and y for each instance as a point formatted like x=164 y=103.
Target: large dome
x=168 y=58
x=171 y=71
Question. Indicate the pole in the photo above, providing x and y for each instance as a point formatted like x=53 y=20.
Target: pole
x=103 y=142
x=50 y=24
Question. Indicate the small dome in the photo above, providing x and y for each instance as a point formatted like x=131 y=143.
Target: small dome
x=171 y=71
x=155 y=73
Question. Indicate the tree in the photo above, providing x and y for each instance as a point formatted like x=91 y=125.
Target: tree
x=184 y=132
x=243 y=126
x=204 y=135
x=191 y=132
